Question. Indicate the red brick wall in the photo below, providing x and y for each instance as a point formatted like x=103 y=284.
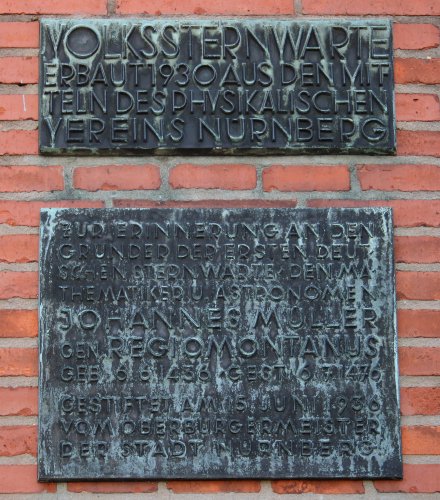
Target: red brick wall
x=408 y=182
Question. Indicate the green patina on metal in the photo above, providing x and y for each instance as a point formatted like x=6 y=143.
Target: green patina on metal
x=210 y=343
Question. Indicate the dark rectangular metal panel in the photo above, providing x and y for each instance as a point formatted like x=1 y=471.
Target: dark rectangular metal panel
x=230 y=86
x=209 y=343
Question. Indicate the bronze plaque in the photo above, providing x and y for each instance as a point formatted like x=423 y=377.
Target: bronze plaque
x=210 y=343
x=230 y=86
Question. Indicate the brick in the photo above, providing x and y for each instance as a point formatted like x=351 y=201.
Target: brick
x=306 y=178
x=412 y=70
x=406 y=213
x=19 y=69
x=19 y=34
x=203 y=203
x=317 y=486
x=29 y=178
x=53 y=7
x=421 y=440
x=18 y=440
x=18 y=361
x=415 y=36
x=117 y=177
x=371 y=7
x=18 y=401
x=417 y=478
x=199 y=7
x=418 y=249
x=417 y=361
x=231 y=177
x=420 y=400
x=19 y=142
x=18 y=107
x=215 y=486
x=418 y=143
x=18 y=323
x=112 y=487
x=418 y=323
x=27 y=213
x=22 y=284
x=19 y=248
x=415 y=285
x=399 y=177
x=22 y=479
x=417 y=108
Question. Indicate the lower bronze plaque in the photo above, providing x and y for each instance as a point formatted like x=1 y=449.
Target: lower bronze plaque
x=217 y=344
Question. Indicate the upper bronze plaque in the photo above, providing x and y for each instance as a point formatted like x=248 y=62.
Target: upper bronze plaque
x=217 y=343
x=216 y=86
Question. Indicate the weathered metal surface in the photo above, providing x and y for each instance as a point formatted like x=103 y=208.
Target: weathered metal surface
x=217 y=343
x=216 y=86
